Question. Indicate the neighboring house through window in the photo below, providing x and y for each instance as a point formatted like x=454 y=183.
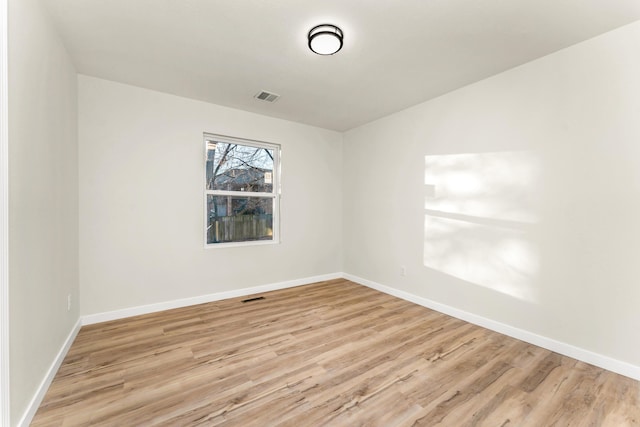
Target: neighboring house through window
x=242 y=196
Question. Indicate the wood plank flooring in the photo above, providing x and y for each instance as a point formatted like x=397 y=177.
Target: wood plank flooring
x=328 y=354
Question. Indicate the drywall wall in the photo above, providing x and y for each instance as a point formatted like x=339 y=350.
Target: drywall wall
x=142 y=206
x=516 y=198
x=43 y=199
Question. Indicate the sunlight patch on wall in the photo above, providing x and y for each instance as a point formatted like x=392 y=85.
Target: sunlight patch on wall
x=480 y=211
x=502 y=259
x=490 y=185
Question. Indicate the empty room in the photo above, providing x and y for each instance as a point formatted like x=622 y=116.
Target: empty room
x=337 y=213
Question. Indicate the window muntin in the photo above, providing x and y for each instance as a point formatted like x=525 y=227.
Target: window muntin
x=241 y=191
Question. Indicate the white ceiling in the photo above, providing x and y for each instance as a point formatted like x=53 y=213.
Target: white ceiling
x=396 y=53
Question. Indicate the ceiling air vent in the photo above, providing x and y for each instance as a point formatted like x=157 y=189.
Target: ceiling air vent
x=266 y=96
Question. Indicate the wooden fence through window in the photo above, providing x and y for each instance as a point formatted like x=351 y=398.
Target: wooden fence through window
x=240 y=228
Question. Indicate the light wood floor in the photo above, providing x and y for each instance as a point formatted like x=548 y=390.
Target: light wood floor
x=328 y=354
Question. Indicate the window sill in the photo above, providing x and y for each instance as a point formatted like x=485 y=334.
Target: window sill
x=241 y=244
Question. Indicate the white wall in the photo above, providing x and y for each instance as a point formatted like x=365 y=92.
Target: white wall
x=43 y=197
x=536 y=225
x=141 y=199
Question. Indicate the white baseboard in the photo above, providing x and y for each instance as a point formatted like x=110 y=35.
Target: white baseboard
x=185 y=302
x=32 y=408
x=605 y=362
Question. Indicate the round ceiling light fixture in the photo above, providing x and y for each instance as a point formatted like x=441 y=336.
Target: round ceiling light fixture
x=325 y=39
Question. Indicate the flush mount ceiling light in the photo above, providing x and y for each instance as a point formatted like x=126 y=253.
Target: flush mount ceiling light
x=325 y=39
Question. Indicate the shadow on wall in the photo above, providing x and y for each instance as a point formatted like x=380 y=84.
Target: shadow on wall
x=480 y=219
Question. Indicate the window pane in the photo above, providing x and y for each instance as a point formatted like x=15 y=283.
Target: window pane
x=239 y=219
x=237 y=167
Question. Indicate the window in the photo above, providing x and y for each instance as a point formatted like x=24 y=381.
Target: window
x=242 y=195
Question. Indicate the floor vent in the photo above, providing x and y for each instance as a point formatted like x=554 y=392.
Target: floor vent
x=266 y=96
x=252 y=299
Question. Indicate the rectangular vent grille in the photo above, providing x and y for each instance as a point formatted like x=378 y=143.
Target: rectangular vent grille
x=266 y=96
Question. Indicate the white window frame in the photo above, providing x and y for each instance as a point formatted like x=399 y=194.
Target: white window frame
x=4 y=219
x=274 y=195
